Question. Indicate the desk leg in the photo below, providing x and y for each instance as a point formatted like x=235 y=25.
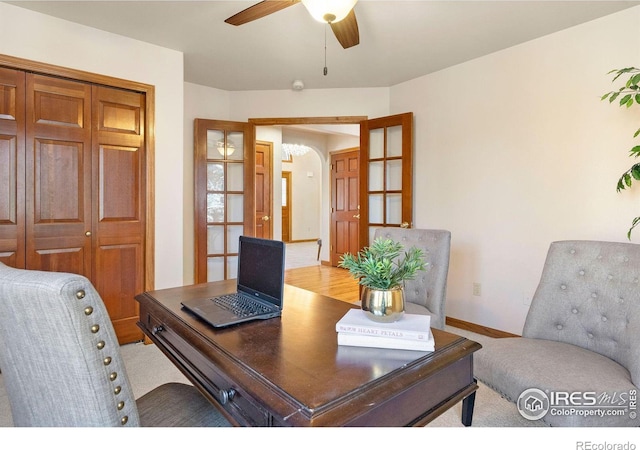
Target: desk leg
x=467 y=409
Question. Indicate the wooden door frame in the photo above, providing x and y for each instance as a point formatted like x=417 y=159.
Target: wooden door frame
x=289 y=202
x=149 y=124
x=338 y=120
x=270 y=145
x=320 y=120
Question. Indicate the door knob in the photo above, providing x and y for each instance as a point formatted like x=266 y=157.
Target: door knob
x=265 y=218
x=87 y=234
x=357 y=216
x=404 y=225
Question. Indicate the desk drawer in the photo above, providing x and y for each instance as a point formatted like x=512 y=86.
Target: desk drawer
x=203 y=373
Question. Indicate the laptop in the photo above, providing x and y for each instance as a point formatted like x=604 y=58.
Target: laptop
x=260 y=286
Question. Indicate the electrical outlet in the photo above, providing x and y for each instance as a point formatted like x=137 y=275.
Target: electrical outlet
x=477 y=289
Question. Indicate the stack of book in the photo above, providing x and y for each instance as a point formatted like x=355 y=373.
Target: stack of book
x=411 y=332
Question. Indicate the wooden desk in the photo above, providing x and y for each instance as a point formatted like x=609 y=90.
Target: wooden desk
x=289 y=371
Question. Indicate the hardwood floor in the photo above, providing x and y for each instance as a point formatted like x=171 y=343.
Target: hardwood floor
x=327 y=280
x=337 y=283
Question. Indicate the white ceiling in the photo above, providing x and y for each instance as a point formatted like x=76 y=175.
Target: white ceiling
x=399 y=40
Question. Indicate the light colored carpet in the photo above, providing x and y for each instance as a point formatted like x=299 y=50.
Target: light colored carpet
x=497 y=425
x=147 y=368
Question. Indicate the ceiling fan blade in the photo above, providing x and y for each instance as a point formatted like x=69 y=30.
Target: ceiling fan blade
x=259 y=10
x=346 y=30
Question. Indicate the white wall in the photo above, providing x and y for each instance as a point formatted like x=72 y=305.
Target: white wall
x=42 y=38
x=308 y=173
x=306 y=206
x=371 y=102
x=515 y=150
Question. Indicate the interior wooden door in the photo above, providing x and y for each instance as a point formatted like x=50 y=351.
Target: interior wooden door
x=264 y=199
x=345 y=204
x=224 y=165
x=286 y=206
x=386 y=174
x=58 y=175
x=119 y=199
x=75 y=170
x=12 y=159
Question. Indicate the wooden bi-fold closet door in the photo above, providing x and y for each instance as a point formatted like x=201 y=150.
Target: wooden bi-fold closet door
x=12 y=117
x=72 y=196
x=58 y=175
x=119 y=205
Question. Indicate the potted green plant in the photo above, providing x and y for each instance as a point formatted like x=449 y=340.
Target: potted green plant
x=381 y=270
x=627 y=95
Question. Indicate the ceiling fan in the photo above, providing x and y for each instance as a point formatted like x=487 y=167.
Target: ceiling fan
x=338 y=14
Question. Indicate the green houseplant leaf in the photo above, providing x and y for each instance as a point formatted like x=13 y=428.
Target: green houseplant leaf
x=383 y=265
x=630 y=94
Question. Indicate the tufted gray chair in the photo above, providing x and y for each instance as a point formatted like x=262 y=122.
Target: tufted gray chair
x=426 y=294
x=61 y=361
x=582 y=333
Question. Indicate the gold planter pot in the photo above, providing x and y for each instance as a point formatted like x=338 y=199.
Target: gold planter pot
x=383 y=305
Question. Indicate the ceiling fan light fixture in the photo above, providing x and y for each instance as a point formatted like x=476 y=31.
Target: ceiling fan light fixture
x=329 y=11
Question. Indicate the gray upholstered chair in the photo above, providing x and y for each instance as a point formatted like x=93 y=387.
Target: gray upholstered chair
x=581 y=335
x=61 y=361
x=425 y=294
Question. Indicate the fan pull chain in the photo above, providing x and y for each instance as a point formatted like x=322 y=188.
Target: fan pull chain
x=325 y=52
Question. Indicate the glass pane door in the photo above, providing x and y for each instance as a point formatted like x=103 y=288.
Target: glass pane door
x=386 y=174
x=223 y=193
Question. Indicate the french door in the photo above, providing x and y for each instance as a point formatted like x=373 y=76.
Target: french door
x=224 y=163
x=386 y=174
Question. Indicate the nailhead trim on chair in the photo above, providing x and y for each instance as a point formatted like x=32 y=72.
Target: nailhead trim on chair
x=95 y=329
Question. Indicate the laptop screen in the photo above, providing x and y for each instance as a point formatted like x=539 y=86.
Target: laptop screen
x=261 y=268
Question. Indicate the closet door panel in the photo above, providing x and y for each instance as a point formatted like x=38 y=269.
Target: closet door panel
x=58 y=175
x=12 y=83
x=119 y=180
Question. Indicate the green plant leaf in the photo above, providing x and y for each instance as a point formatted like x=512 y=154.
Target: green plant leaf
x=634 y=79
x=627 y=179
x=635 y=150
x=380 y=265
x=620 y=186
x=635 y=171
x=638 y=99
x=634 y=223
x=637 y=132
x=624 y=100
x=621 y=72
x=613 y=96
x=605 y=96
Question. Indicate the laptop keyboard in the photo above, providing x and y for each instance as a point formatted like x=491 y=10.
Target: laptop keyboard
x=240 y=306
